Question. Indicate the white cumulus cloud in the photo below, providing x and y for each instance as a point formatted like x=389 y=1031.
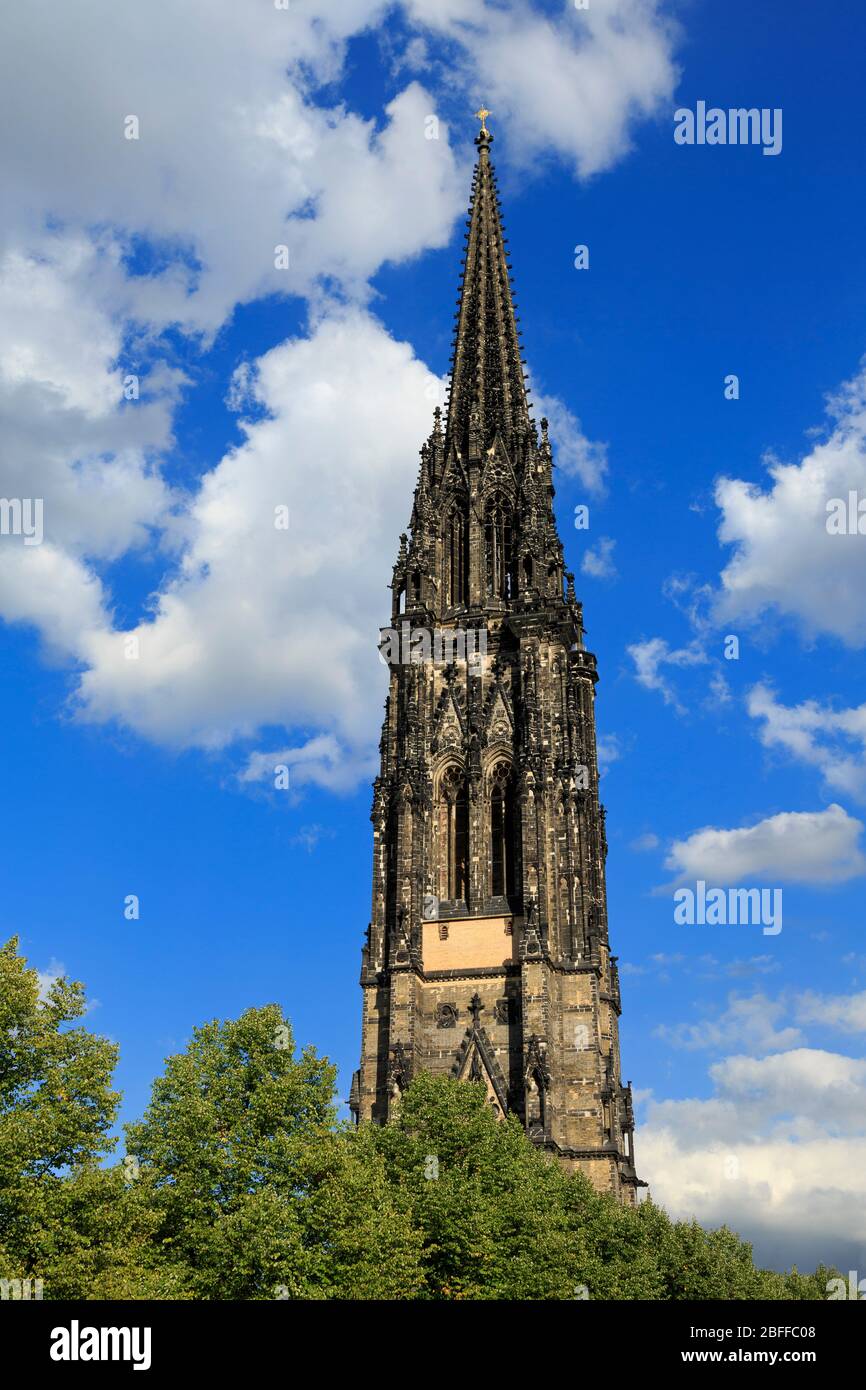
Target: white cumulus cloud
x=784 y=559
x=778 y=1153
x=267 y=626
x=832 y=740
x=598 y=561
x=652 y=655
x=820 y=847
x=574 y=84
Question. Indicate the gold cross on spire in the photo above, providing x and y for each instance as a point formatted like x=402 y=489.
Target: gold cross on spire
x=482 y=117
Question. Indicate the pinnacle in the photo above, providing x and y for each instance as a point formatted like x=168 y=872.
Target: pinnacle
x=487 y=368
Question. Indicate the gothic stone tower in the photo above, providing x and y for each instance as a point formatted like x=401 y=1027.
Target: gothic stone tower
x=487 y=956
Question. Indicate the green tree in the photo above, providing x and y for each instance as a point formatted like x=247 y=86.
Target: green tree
x=484 y=1200
x=259 y=1193
x=56 y=1110
x=102 y=1242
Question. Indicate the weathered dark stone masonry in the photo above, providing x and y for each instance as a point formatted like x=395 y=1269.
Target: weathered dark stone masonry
x=487 y=955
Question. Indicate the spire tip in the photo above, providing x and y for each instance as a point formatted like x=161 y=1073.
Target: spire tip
x=484 y=135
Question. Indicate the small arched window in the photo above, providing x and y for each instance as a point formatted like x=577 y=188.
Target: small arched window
x=456 y=560
x=454 y=825
x=498 y=543
x=502 y=832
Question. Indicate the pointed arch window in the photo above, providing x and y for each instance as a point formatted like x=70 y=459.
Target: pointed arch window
x=456 y=560
x=454 y=813
x=498 y=537
x=502 y=830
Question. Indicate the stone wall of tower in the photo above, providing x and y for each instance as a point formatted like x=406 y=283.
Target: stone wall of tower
x=528 y=983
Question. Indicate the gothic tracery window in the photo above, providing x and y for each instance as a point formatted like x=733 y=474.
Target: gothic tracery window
x=455 y=560
x=454 y=826
x=502 y=831
x=498 y=540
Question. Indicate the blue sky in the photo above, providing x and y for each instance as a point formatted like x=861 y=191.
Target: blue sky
x=314 y=388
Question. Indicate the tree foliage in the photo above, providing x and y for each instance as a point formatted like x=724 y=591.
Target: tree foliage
x=258 y=1192
x=56 y=1108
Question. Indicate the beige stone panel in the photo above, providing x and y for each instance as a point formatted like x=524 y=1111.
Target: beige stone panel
x=470 y=943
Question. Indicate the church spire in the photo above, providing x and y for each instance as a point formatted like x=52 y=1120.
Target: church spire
x=489 y=907
x=488 y=394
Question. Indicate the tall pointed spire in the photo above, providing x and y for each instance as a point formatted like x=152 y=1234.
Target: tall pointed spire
x=487 y=372
x=489 y=837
